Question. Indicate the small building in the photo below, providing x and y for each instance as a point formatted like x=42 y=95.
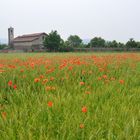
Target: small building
x=28 y=42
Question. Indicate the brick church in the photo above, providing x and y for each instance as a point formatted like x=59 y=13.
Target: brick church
x=28 y=42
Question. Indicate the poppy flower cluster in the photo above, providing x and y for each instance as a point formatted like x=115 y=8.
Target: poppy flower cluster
x=10 y=84
x=57 y=78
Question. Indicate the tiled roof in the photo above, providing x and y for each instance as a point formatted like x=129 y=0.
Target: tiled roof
x=28 y=37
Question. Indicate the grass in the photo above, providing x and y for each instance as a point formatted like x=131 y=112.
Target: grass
x=70 y=96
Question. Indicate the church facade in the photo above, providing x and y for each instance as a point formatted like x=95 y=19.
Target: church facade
x=28 y=42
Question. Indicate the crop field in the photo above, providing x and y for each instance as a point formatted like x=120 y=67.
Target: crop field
x=70 y=96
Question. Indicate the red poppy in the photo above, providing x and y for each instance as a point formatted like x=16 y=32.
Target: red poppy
x=24 y=76
x=88 y=92
x=82 y=125
x=84 y=109
x=50 y=104
x=41 y=76
x=70 y=68
x=62 y=65
x=52 y=78
x=82 y=83
x=22 y=70
x=15 y=86
x=45 y=81
x=36 y=80
x=105 y=76
x=83 y=72
x=4 y=114
x=99 y=79
x=121 y=81
x=100 y=69
x=1 y=65
x=10 y=83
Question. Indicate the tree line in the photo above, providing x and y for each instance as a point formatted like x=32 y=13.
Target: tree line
x=54 y=42
x=2 y=46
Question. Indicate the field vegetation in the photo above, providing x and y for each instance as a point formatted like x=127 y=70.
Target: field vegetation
x=70 y=96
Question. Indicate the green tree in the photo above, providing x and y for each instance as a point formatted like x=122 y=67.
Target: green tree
x=2 y=46
x=87 y=45
x=114 y=44
x=138 y=44
x=53 y=41
x=131 y=43
x=121 y=45
x=97 y=42
x=74 y=41
x=63 y=46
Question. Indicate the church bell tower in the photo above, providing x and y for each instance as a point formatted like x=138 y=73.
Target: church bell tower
x=10 y=36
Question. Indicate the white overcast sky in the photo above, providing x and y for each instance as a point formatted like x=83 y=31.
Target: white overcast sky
x=110 y=19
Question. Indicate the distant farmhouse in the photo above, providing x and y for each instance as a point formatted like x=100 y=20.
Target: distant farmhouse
x=29 y=42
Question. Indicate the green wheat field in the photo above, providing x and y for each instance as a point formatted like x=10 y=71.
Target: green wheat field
x=70 y=96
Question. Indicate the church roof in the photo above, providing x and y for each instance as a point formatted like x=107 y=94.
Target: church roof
x=28 y=37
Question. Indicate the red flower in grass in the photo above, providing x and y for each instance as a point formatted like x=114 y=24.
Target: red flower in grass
x=41 y=76
x=87 y=92
x=36 y=80
x=82 y=83
x=22 y=70
x=3 y=114
x=52 y=79
x=50 y=104
x=24 y=76
x=121 y=81
x=82 y=126
x=101 y=69
x=84 y=109
x=105 y=76
x=99 y=79
x=15 y=86
x=44 y=81
x=10 y=83
x=70 y=68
